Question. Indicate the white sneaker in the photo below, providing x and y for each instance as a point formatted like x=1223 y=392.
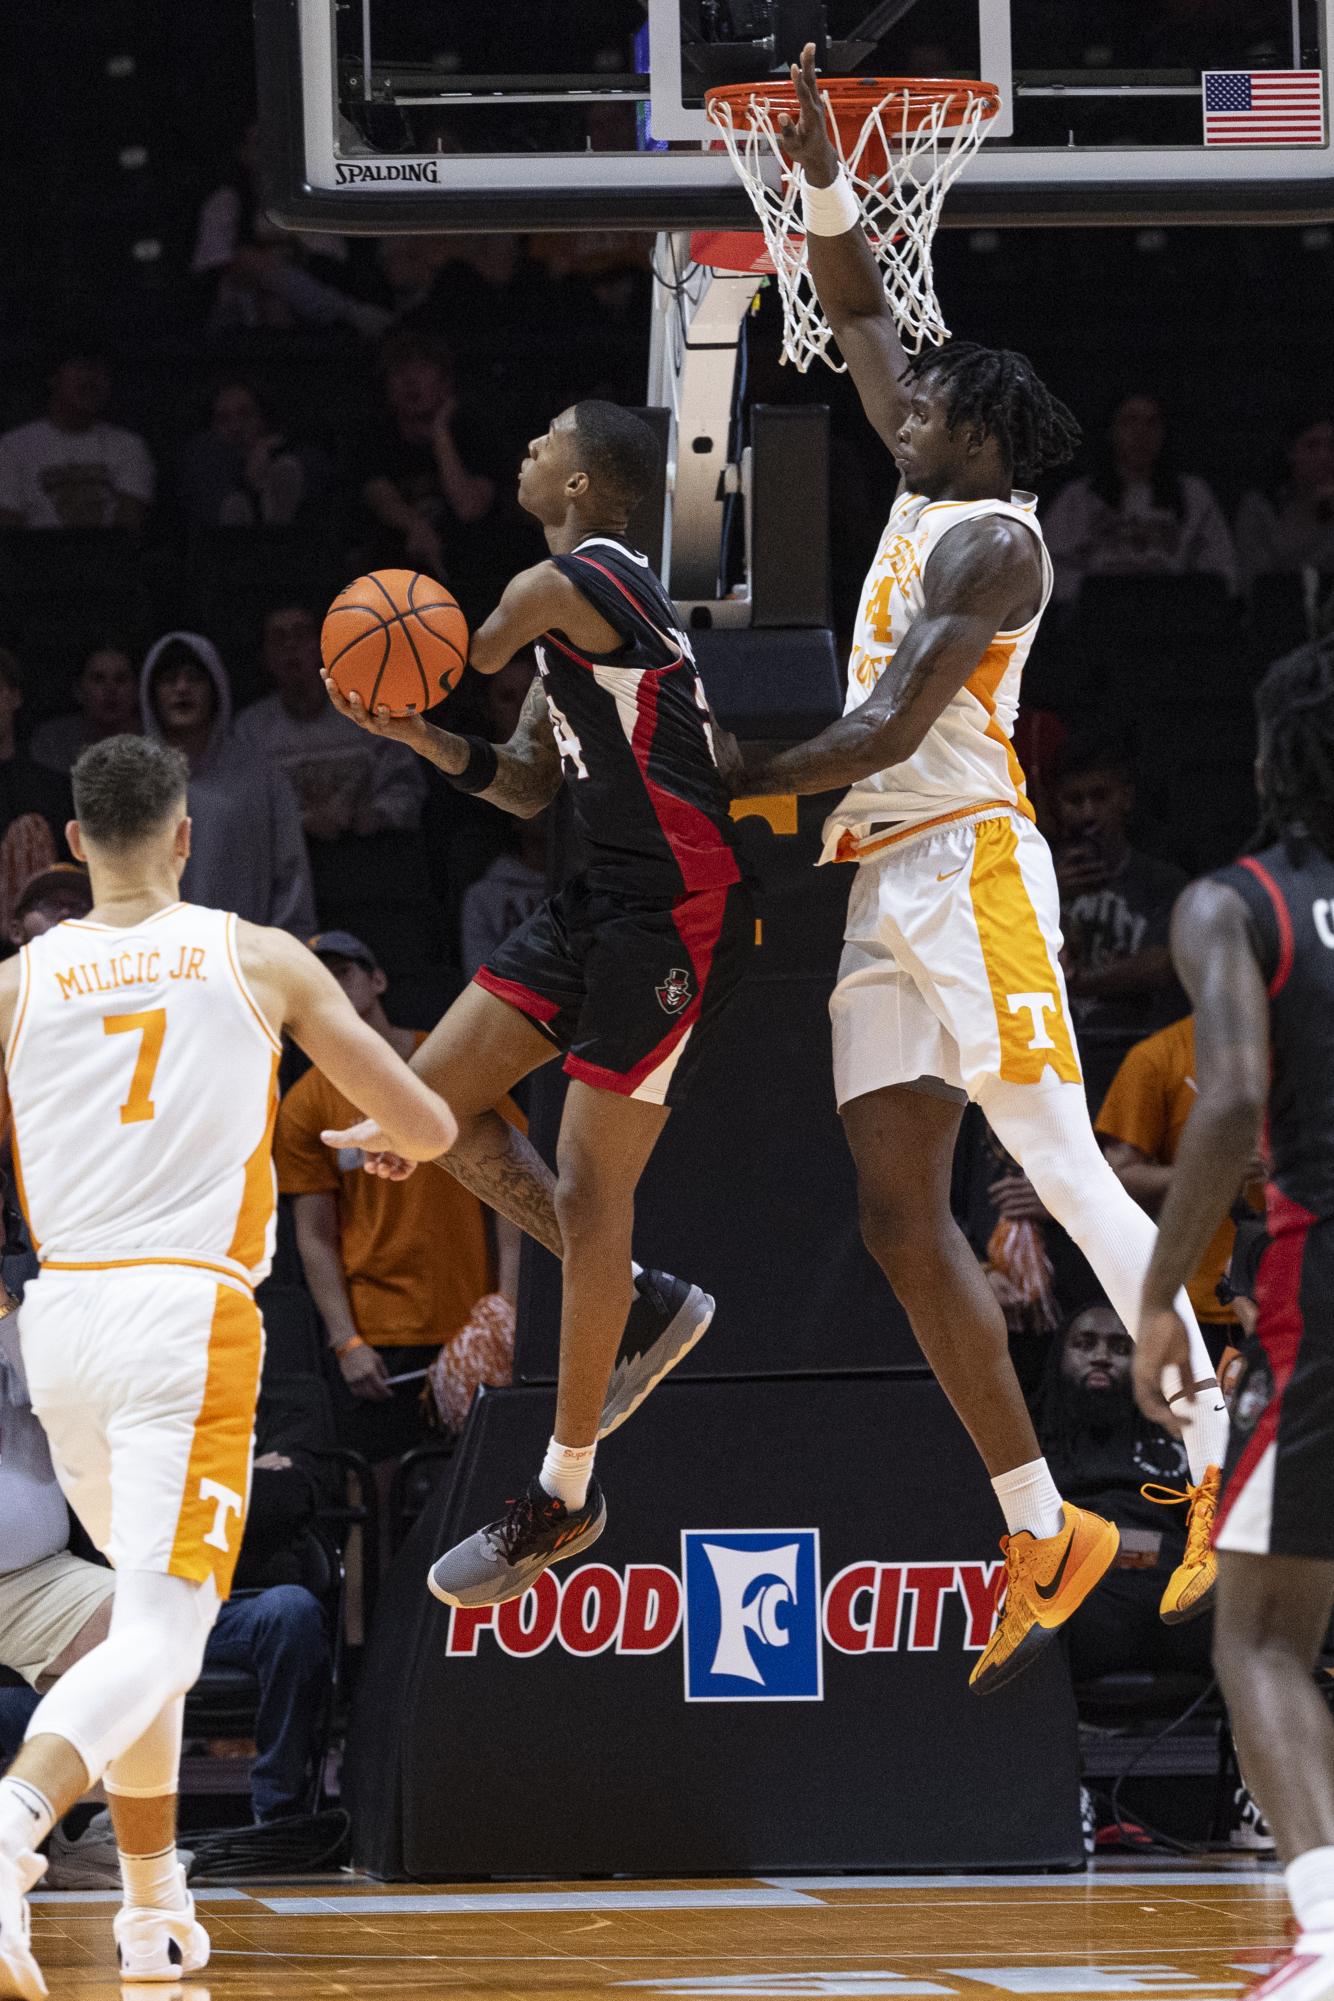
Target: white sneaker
x=20 y=1975
x=1307 y=1974
x=160 y=1945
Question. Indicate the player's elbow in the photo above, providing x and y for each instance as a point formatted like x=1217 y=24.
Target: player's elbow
x=488 y=656
x=1233 y=1107
x=434 y=1132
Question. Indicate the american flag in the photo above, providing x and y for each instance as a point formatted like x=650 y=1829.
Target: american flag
x=1267 y=107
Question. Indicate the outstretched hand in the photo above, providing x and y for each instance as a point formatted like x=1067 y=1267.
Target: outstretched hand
x=807 y=141
x=1162 y=1343
x=377 y=1156
x=412 y=730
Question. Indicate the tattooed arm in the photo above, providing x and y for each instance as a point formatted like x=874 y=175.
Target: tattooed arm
x=528 y=766
x=984 y=577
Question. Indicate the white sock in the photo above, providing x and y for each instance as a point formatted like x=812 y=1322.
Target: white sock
x=152 y=1882
x=636 y=1271
x=26 y=1817
x=1029 y=1499
x=566 y=1472
x=1204 y=1423
x=1310 y=1881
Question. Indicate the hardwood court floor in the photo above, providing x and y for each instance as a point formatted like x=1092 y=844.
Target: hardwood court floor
x=1203 y=1933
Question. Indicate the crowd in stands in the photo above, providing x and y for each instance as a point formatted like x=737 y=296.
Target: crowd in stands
x=183 y=598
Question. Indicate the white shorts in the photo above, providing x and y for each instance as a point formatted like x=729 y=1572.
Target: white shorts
x=951 y=965
x=145 y=1381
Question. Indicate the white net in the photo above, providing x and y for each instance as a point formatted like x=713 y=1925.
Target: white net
x=902 y=164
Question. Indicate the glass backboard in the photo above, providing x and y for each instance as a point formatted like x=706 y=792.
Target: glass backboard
x=387 y=115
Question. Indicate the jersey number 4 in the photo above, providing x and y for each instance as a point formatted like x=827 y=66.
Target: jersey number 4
x=150 y=1027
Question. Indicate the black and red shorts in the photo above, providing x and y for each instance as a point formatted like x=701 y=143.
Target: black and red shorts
x=1278 y=1486
x=627 y=989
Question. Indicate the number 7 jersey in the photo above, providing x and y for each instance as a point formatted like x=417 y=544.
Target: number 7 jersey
x=143 y=1084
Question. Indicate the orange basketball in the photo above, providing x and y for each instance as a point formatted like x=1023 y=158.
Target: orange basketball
x=397 y=639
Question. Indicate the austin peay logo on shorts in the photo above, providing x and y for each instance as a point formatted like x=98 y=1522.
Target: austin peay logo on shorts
x=675 y=991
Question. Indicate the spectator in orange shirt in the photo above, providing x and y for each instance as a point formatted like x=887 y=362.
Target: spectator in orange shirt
x=1140 y=1125
x=395 y=1267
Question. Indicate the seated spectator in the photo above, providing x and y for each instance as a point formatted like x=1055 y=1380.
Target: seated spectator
x=346 y=782
x=514 y=882
x=1135 y=515
x=47 y=899
x=28 y=788
x=69 y=469
x=1116 y=905
x=55 y=1606
x=247 y=850
x=508 y=891
x=107 y=692
x=242 y=472
x=258 y=275
x=1140 y=1125
x=1102 y=1451
x=1291 y=526
x=416 y=477
x=395 y=1267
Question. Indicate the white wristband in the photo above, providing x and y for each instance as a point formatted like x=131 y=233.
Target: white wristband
x=830 y=211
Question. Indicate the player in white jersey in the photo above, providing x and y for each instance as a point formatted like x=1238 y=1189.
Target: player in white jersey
x=950 y=985
x=141 y=1049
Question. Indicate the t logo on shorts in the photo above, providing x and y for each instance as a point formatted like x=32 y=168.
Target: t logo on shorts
x=229 y=1503
x=1037 y=1007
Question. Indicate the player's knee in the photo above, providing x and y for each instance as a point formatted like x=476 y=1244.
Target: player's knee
x=895 y=1236
x=589 y=1202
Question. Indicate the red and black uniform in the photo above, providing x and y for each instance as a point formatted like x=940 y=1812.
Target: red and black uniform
x=649 y=941
x=1278 y=1493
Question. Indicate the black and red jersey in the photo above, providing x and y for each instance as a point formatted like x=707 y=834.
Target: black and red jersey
x=633 y=731
x=1291 y=906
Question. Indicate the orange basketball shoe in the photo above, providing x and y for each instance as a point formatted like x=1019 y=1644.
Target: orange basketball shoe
x=1046 y=1579
x=1190 y=1588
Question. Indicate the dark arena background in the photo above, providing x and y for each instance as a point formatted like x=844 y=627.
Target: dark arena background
x=285 y=294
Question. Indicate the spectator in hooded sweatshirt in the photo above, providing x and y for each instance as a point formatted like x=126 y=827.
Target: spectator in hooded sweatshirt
x=247 y=850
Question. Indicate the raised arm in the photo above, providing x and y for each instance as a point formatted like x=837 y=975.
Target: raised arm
x=843 y=267
x=1215 y=956
x=536 y=601
x=302 y=997
x=984 y=577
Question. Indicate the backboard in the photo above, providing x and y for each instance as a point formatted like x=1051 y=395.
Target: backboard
x=415 y=115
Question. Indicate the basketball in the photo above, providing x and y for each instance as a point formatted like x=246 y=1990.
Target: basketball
x=396 y=639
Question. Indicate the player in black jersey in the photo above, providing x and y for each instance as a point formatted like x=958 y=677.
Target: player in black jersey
x=1254 y=945
x=621 y=972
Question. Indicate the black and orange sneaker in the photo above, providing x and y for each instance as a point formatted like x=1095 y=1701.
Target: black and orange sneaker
x=509 y=1554
x=667 y=1317
x=1190 y=1589
x=1046 y=1579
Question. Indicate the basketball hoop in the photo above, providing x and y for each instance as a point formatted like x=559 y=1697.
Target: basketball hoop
x=904 y=141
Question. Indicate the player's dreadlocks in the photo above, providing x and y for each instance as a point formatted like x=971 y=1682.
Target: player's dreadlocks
x=1295 y=706
x=1001 y=392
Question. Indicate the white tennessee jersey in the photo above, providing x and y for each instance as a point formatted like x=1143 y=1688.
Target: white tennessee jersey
x=966 y=764
x=143 y=1082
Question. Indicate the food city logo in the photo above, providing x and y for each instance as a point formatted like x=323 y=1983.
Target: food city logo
x=750 y=1607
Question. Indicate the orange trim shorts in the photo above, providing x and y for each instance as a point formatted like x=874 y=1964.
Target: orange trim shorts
x=145 y=1381
x=951 y=968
